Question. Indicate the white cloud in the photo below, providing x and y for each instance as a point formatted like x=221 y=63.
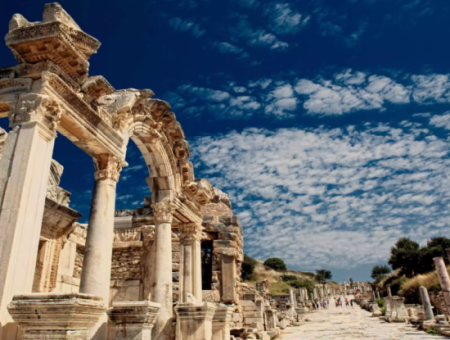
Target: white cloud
x=285 y=20
x=442 y=121
x=255 y=36
x=328 y=197
x=225 y=47
x=181 y=25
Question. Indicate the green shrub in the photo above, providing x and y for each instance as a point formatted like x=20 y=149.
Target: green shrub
x=309 y=274
x=309 y=285
x=248 y=266
x=287 y=278
x=380 y=303
x=275 y=263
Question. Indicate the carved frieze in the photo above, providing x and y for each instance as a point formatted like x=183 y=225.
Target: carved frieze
x=17 y=85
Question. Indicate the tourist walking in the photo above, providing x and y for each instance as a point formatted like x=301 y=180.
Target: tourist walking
x=351 y=302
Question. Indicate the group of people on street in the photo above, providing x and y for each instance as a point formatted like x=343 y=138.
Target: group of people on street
x=340 y=301
x=326 y=303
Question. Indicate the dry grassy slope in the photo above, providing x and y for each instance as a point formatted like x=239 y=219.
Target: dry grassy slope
x=276 y=284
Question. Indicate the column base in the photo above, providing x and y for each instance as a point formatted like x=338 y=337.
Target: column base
x=221 y=323
x=194 y=322
x=134 y=320
x=56 y=316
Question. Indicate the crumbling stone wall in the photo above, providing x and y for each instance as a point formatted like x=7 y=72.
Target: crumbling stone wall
x=126 y=263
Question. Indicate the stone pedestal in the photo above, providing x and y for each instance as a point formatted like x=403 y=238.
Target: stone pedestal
x=134 y=320
x=56 y=316
x=398 y=312
x=194 y=322
x=387 y=303
x=221 y=323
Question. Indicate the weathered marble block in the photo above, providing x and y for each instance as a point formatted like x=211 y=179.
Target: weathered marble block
x=56 y=315
x=134 y=320
x=194 y=322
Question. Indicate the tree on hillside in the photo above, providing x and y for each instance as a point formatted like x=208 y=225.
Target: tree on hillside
x=248 y=266
x=435 y=248
x=405 y=256
x=322 y=275
x=275 y=263
x=378 y=271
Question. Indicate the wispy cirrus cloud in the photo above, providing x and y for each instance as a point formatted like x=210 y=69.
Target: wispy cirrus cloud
x=328 y=197
x=186 y=25
x=284 y=19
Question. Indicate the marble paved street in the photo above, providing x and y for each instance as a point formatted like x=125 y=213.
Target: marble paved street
x=352 y=323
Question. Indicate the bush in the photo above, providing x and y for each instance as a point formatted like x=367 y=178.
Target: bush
x=380 y=303
x=275 y=263
x=287 y=278
x=309 y=285
x=309 y=274
x=248 y=266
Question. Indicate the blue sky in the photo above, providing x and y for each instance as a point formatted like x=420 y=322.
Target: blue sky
x=326 y=121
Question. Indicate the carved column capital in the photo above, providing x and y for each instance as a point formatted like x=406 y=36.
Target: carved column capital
x=190 y=231
x=34 y=107
x=163 y=212
x=107 y=166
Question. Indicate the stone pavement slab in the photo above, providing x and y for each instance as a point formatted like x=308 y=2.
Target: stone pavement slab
x=352 y=323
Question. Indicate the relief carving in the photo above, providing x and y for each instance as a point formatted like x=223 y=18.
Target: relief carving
x=40 y=108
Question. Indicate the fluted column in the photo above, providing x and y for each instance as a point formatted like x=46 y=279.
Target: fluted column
x=96 y=273
x=190 y=264
x=24 y=173
x=162 y=292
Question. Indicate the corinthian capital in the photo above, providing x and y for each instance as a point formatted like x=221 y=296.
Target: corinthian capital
x=190 y=231
x=163 y=212
x=107 y=166
x=33 y=107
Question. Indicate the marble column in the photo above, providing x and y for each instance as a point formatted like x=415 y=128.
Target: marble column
x=190 y=264
x=426 y=303
x=96 y=273
x=24 y=173
x=444 y=280
x=389 y=291
x=162 y=291
x=378 y=294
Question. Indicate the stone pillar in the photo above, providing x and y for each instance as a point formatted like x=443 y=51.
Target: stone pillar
x=162 y=291
x=426 y=303
x=373 y=295
x=378 y=294
x=96 y=274
x=221 y=323
x=24 y=173
x=444 y=280
x=190 y=261
x=148 y=261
